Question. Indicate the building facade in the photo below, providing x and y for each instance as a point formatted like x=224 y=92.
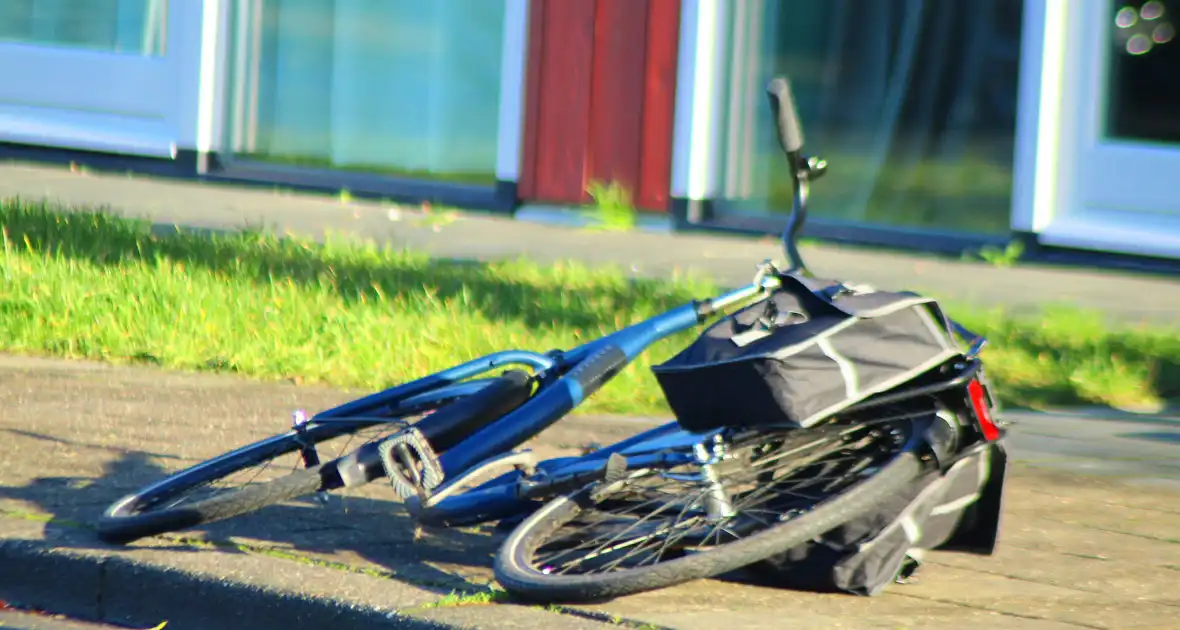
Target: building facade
x=944 y=122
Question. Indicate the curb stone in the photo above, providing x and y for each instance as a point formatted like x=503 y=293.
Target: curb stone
x=118 y=588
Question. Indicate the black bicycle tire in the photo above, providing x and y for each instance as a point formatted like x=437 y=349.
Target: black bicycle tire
x=116 y=528
x=126 y=529
x=514 y=573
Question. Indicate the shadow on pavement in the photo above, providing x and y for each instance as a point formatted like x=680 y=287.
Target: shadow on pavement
x=359 y=533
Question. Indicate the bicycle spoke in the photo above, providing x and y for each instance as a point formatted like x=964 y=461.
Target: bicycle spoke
x=336 y=445
x=602 y=548
x=668 y=541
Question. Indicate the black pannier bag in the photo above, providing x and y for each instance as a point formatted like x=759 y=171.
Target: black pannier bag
x=955 y=509
x=807 y=351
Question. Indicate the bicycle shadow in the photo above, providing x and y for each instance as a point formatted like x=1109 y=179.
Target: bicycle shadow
x=361 y=534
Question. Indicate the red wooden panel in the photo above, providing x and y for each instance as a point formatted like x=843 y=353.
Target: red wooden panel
x=659 y=110
x=560 y=117
x=527 y=178
x=616 y=103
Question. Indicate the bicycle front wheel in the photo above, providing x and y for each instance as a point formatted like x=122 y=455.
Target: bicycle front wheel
x=267 y=472
x=661 y=527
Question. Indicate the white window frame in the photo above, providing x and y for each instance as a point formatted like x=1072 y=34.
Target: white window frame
x=1073 y=187
x=111 y=102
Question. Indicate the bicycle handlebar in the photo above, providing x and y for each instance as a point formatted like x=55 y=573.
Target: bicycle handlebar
x=786 y=118
x=803 y=169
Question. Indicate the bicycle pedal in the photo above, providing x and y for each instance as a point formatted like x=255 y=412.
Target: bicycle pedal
x=429 y=478
x=616 y=469
x=602 y=473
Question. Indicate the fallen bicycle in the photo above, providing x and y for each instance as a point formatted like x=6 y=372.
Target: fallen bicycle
x=825 y=435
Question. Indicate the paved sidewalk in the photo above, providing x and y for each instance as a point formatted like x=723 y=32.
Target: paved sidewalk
x=730 y=260
x=1099 y=550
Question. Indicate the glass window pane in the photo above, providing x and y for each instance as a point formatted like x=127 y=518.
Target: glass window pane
x=1144 y=80
x=133 y=27
x=913 y=103
x=396 y=87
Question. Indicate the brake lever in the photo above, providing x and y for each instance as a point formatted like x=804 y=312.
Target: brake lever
x=813 y=167
x=765 y=268
x=976 y=347
x=976 y=343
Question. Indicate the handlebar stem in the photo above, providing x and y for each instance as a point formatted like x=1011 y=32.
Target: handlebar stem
x=801 y=185
x=803 y=170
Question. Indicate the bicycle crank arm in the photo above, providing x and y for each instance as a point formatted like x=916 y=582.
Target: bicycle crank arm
x=614 y=468
x=360 y=466
x=524 y=462
x=544 y=485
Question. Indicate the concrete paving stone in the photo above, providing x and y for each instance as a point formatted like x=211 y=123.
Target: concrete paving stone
x=1033 y=598
x=1087 y=544
x=1162 y=526
x=710 y=604
x=1073 y=559
x=1110 y=495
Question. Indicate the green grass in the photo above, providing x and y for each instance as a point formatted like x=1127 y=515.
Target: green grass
x=477 y=598
x=480 y=178
x=90 y=285
x=613 y=209
x=1006 y=257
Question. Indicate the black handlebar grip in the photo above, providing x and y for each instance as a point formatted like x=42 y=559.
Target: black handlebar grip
x=782 y=105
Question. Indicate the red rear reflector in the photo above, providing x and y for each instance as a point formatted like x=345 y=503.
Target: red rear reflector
x=979 y=401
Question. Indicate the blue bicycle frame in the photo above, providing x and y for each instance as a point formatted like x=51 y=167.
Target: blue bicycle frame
x=586 y=369
x=565 y=379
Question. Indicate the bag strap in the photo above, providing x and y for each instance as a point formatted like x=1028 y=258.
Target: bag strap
x=776 y=318
x=771 y=320
x=909 y=567
x=816 y=297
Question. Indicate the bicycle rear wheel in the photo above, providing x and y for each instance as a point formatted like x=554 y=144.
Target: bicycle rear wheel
x=279 y=468
x=661 y=527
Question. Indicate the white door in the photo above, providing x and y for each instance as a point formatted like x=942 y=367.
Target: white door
x=1098 y=163
x=121 y=76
